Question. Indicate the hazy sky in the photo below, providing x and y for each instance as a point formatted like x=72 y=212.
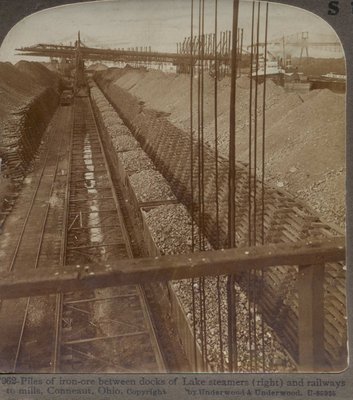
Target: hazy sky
x=156 y=23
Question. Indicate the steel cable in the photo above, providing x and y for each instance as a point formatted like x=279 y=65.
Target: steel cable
x=250 y=282
x=231 y=296
x=263 y=185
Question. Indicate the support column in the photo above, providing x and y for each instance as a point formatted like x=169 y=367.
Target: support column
x=311 y=317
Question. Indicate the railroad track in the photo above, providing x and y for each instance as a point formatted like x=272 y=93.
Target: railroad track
x=34 y=233
x=74 y=216
x=102 y=330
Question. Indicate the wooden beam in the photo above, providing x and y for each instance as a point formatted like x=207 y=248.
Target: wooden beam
x=210 y=263
x=311 y=318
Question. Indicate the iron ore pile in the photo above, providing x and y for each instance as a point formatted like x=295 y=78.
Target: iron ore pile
x=305 y=133
x=136 y=160
x=29 y=98
x=148 y=184
x=170 y=227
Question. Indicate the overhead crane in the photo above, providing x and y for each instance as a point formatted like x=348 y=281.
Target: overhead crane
x=118 y=55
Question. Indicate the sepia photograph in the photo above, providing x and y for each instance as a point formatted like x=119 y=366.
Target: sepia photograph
x=172 y=190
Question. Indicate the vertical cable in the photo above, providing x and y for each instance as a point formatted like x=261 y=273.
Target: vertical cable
x=255 y=172
x=232 y=124
x=263 y=135
x=250 y=183
x=203 y=177
x=219 y=294
x=192 y=176
x=192 y=130
x=202 y=123
x=232 y=333
x=256 y=120
x=228 y=49
x=199 y=143
x=199 y=125
x=216 y=123
x=263 y=188
x=250 y=126
x=238 y=50
x=241 y=50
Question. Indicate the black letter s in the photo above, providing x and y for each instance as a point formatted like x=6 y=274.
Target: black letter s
x=333 y=7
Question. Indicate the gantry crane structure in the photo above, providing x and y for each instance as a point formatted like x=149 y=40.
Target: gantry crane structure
x=283 y=47
x=305 y=42
x=130 y=55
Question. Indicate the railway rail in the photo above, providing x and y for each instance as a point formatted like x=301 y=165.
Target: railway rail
x=31 y=241
x=74 y=216
x=94 y=327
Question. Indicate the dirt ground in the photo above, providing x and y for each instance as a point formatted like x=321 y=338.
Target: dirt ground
x=305 y=133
